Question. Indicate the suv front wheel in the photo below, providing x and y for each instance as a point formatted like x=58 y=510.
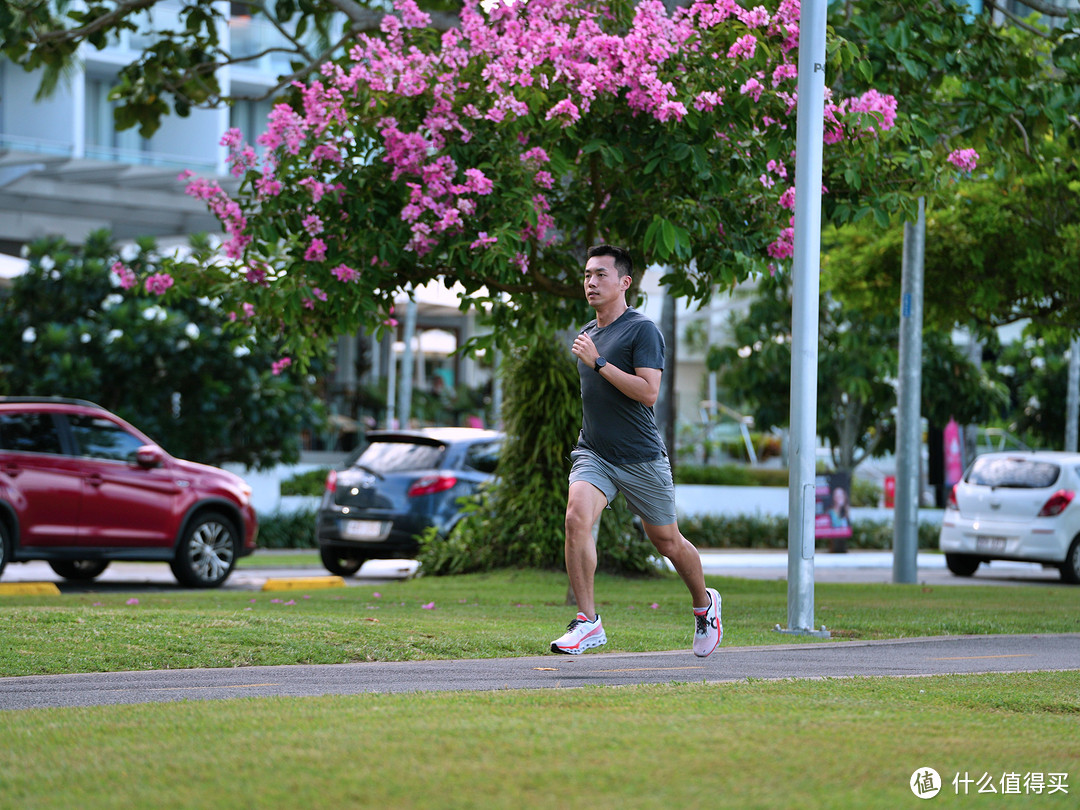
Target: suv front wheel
x=82 y=570
x=207 y=552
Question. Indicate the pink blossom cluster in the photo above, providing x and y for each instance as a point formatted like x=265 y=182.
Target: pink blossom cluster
x=882 y=107
x=550 y=62
x=158 y=283
x=964 y=159
x=279 y=366
x=224 y=208
x=125 y=275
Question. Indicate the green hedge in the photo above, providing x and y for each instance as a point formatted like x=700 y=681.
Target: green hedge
x=297 y=530
x=312 y=482
x=863 y=493
x=771 y=531
x=288 y=530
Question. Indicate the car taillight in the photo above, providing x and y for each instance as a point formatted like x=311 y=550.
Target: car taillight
x=331 y=481
x=1057 y=503
x=952 y=504
x=430 y=484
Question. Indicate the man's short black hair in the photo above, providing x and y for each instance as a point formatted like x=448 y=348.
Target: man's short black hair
x=624 y=265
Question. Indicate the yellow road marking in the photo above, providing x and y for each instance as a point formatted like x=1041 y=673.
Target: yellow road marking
x=303 y=583
x=29 y=589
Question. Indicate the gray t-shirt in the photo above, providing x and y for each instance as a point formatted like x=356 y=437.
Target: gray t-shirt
x=614 y=426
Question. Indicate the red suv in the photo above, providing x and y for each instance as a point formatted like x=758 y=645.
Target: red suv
x=80 y=487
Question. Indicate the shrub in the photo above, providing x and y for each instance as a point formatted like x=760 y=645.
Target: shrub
x=731 y=475
x=288 y=529
x=771 y=531
x=310 y=483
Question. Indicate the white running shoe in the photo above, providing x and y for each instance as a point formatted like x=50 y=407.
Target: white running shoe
x=581 y=634
x=710 y=629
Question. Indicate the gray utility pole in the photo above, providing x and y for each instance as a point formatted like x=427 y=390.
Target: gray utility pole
x=908 y=418
x=1072 y=397
x=806 y=266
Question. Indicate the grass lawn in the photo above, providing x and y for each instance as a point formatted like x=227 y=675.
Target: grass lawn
x=850 y=743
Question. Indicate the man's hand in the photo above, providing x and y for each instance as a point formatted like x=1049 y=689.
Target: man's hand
x=585 y=350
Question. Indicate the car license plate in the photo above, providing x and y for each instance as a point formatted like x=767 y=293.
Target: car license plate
x=363 y=529
x=984 y=543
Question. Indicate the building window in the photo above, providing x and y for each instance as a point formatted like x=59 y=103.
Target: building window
x=103 y=141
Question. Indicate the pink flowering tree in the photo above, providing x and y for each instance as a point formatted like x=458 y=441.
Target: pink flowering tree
x=495 y=153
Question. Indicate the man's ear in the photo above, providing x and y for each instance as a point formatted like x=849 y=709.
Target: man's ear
x=628 y=280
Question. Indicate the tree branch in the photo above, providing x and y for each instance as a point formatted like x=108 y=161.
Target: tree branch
x=1023 y=132
x=364 y=19
x=1041 y=6
x=108 y=20
x=1016 y=20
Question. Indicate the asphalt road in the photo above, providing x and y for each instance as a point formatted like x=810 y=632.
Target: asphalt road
x=815 y=659
x=807 y=659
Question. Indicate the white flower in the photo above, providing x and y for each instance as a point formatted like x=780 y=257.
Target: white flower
x=154 y=313
x=113 y=299
x=129 y=252
x=241 y=351
x=84 y=337
x=47 y=263
x=113 y=334
x=29 y=335
x=181 y=345
x=192 y=331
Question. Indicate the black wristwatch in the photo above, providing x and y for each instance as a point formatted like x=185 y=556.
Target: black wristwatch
x=600 y=363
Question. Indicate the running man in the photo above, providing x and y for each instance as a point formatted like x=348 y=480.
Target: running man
x=620 y=358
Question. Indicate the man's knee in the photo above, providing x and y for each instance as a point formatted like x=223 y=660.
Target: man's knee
x=665 y=539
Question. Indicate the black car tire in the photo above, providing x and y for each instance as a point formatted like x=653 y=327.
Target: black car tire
x=339 y=564
x=1070 y=569
x=5 y=546
x=962 y=565
x=207 y=552
x=81 y=570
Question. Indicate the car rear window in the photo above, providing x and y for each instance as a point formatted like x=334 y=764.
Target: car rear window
x=31 y=432
x=1018 y=473
x=483 y=457
x=400 y=456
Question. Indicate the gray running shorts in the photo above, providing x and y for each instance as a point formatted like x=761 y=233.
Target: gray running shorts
x=647 y=487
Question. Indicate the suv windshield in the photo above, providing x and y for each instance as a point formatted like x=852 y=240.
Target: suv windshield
x=399 y=456
x=1018 y=473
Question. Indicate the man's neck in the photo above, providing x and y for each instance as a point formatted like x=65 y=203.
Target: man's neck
x=611 y=313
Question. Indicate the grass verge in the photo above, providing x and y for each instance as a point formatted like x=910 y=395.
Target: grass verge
x=851 y=743
x=508 y=613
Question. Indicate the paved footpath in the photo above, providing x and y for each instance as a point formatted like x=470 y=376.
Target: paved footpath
x=810 y=659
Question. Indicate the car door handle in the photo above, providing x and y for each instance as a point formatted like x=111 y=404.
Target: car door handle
x=12 y=470
x=95 y=480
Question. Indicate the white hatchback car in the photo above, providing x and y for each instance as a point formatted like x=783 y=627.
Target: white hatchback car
x=1015 y=506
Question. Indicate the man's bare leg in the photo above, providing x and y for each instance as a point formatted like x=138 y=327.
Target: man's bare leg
x=583 y=508
x=684 y=556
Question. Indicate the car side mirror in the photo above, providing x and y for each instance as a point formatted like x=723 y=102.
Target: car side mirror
x=149 y=456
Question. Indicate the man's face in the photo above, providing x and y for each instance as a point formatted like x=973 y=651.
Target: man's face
x=603 y=283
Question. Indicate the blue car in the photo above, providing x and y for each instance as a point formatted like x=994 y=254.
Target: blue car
x=403 y=482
